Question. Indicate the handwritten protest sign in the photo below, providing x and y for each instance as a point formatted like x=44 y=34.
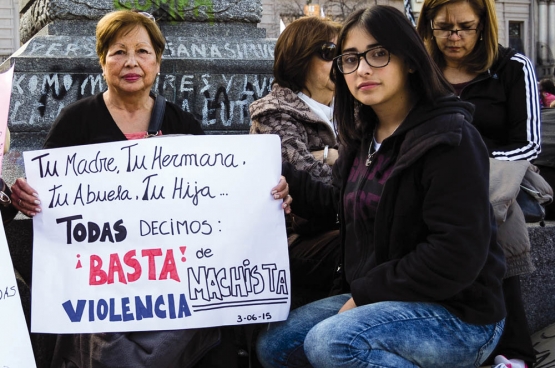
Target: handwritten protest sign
x=15 y=345
x=161 y=233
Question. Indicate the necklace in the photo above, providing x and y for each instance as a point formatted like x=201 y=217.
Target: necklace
x=370 y=153
x=370 y=157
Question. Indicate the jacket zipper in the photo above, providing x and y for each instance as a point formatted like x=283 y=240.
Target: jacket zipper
x=482 y=78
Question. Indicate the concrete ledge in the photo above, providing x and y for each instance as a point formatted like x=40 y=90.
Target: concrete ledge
x=538 y=288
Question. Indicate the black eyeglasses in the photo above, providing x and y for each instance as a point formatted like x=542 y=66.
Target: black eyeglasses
x=446 y=33
x=376 y=57
x=327 y=51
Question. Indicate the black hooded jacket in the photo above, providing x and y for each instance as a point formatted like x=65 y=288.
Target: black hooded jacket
x=507 y=107
x=434 y=233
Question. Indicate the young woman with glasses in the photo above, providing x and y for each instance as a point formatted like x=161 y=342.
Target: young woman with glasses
x=462 y=38
x=299 y=109
x=421 y=268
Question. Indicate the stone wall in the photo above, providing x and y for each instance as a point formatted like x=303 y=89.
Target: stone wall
x=538 y=288
x=214 y=79
x=43 y=12
x=216 y=62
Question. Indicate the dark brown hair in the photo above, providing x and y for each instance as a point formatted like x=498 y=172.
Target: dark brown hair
x=546 y=85
x=296 y=46
x=113 y=24
x=394 y=32
x=485 y=52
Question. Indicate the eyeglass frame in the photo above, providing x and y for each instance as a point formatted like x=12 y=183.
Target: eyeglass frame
x=362 y=54
x=452 y=31
x=320 y=51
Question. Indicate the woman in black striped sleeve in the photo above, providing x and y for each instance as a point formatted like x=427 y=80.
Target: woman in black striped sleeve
x=462 y=38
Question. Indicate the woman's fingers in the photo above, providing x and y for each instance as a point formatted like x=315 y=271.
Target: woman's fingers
x=287 y=204
x=281 y=191
x=25 y=198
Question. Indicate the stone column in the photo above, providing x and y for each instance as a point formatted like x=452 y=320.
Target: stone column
x=542 y=35
x=551 y=32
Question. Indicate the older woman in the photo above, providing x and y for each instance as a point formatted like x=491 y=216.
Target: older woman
x=129 y=46
x=299 y=109
x=462 y=38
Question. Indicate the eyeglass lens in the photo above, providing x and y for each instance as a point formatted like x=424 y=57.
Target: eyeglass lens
x=376 y=58
x=446 y=33
x=328 y=51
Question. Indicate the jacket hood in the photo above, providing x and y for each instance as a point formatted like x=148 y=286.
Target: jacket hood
x=445 y=105
x=427 y=126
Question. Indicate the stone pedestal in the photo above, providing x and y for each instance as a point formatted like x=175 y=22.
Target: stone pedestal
x=215 y=64
x=40 y=13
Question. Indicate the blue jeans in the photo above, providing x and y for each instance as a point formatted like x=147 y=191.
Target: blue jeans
x=386 y=334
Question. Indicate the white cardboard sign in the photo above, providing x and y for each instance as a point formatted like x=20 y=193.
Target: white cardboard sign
x=15 y=345
x=158 y=234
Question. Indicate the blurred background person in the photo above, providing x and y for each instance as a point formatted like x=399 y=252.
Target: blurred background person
x=300 y=110
x=462 y=38
x=547 y=93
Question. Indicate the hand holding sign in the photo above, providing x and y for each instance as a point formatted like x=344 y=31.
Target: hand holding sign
x=24 y=198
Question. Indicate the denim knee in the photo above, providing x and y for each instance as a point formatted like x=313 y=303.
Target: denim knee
x=282 y=343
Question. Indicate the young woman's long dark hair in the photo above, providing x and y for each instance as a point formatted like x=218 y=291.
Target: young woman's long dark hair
x=392 y=30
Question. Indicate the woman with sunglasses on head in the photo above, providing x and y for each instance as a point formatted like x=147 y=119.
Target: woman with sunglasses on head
x=299 y=109
x=422 y=268
x=462 y=38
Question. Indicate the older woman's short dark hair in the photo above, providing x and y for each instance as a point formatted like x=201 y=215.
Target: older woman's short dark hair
x=296 y=46
x=485 y=52
x=120 y=22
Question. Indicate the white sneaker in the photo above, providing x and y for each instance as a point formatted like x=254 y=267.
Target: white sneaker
x=502 y=362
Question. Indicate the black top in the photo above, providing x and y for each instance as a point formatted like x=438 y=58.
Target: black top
x=507 y=108
x=88 y=121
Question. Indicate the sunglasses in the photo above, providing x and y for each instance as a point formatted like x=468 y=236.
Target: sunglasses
x=327 y=51
x=145 y=14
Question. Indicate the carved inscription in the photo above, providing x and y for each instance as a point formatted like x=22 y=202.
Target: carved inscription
x=176 y=48
x=219 y=101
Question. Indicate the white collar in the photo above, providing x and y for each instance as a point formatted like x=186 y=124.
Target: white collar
x=324 y=112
